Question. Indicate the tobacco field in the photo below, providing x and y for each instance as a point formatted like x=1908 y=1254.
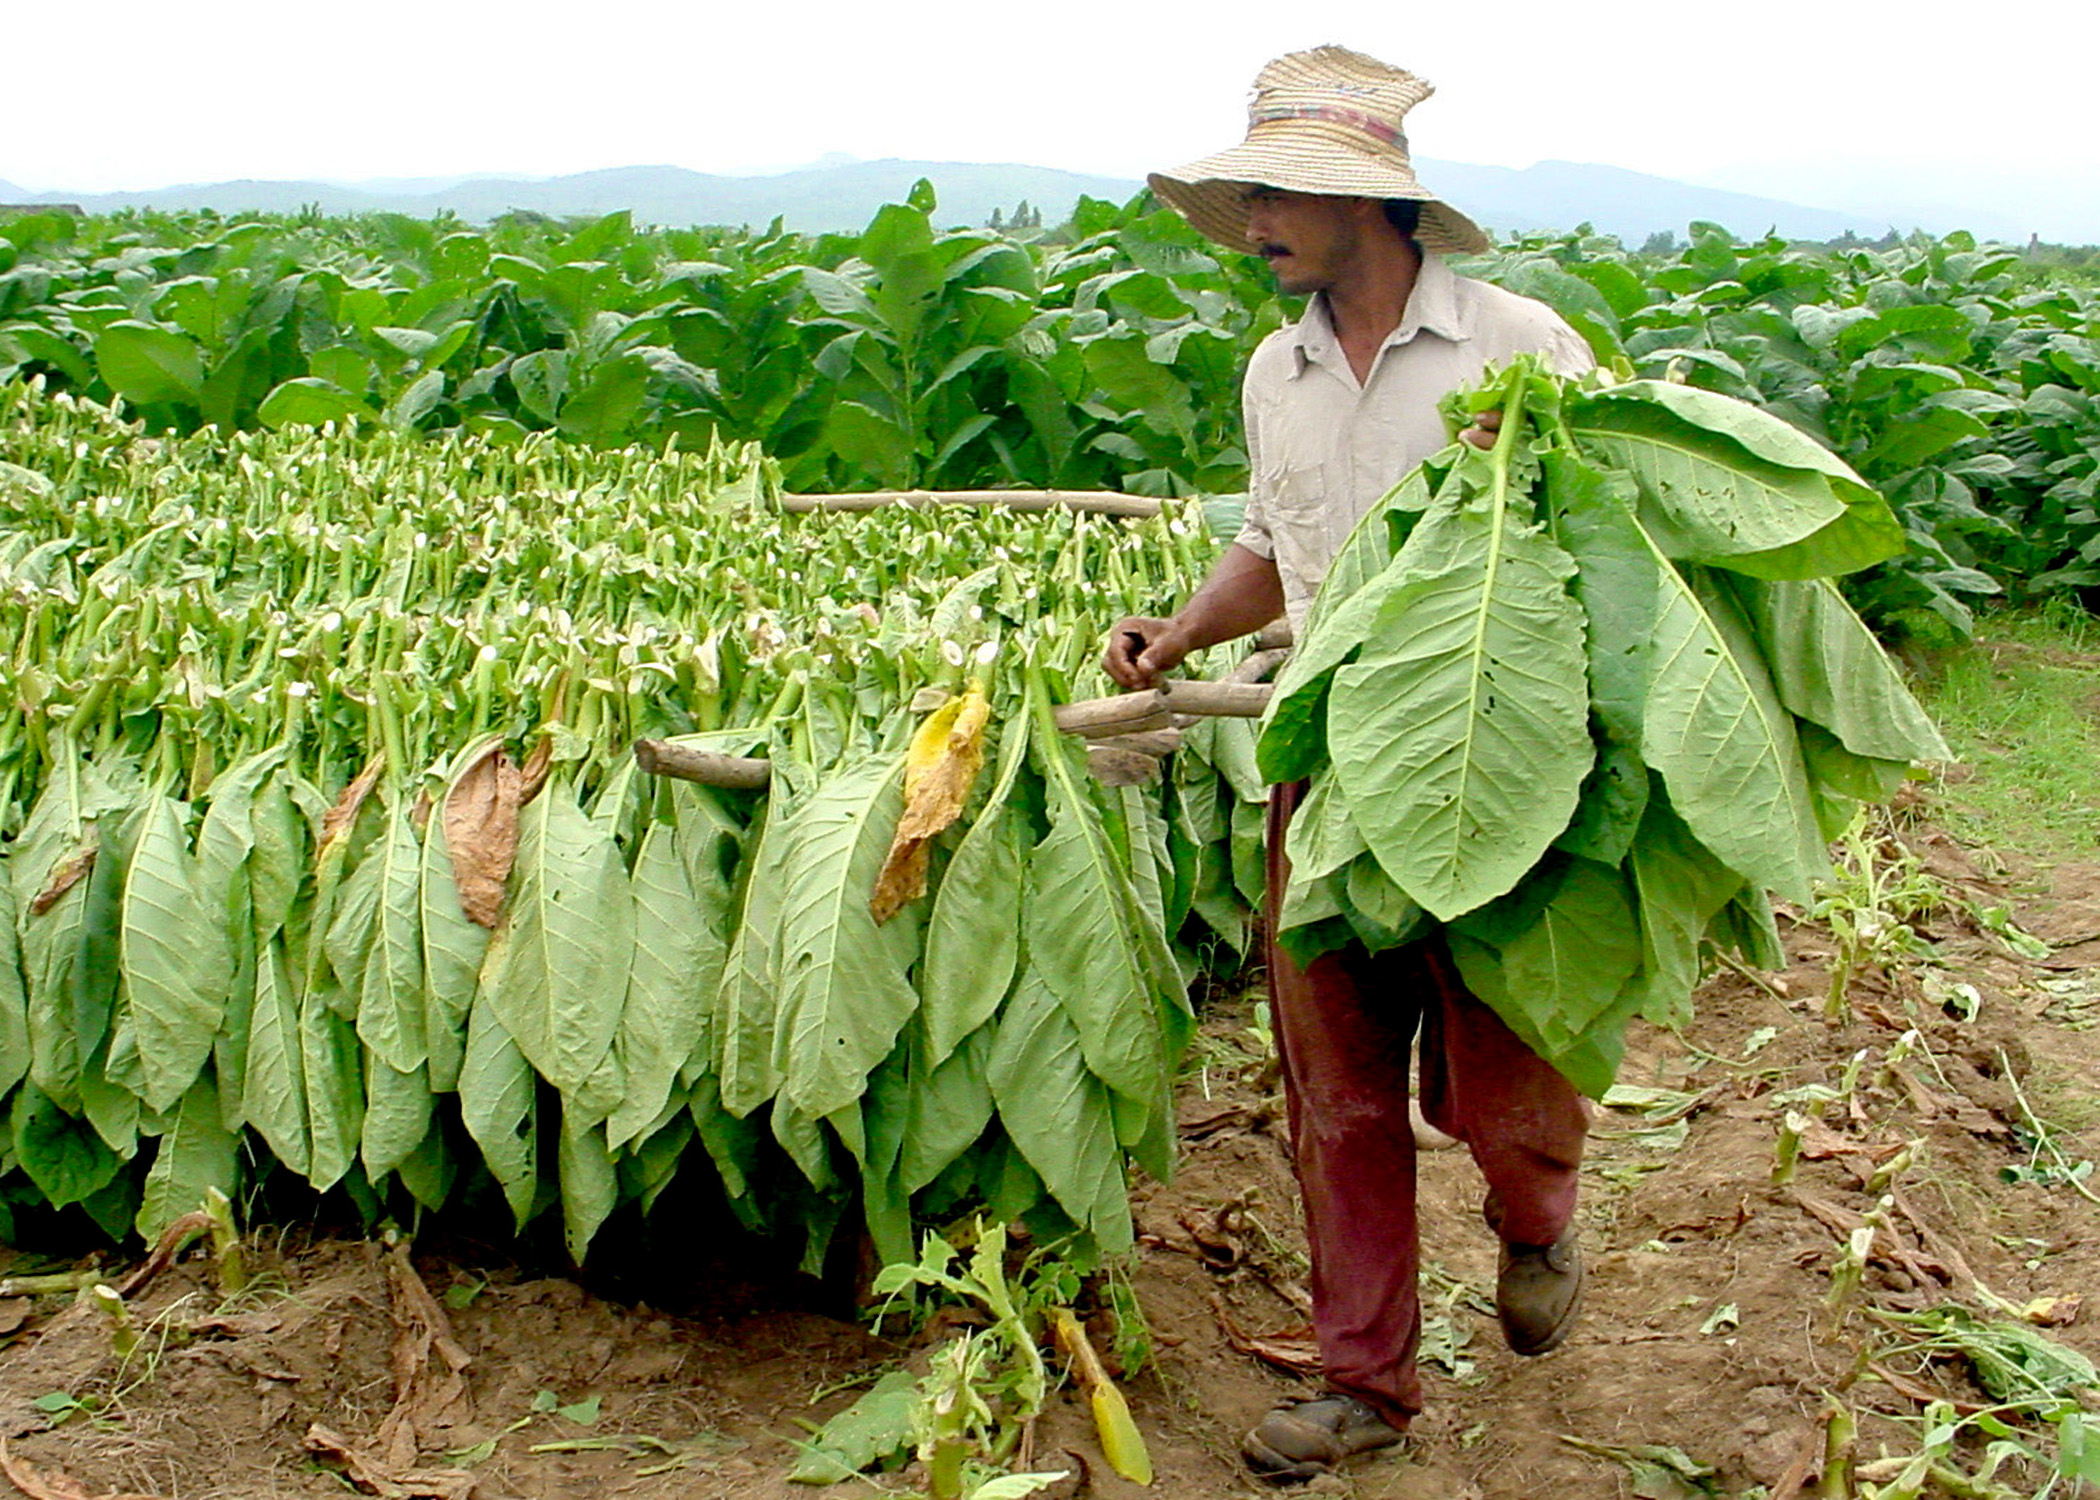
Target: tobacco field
x=343 y=564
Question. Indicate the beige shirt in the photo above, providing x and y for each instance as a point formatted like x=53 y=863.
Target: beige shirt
x=1322 y=448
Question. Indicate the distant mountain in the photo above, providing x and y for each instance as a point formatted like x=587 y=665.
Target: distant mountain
x=9 y=193
x=2006 y=200
x=1553 y=195
x=842 y=194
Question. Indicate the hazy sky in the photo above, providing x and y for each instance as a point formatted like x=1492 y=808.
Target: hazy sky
x=129 y=95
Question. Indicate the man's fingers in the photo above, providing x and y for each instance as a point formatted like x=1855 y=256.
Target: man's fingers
x=1485 y=426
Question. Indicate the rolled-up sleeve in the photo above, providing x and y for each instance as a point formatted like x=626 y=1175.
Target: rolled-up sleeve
x=1567 y=351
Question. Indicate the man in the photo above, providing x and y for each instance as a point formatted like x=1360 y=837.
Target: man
x=1338 y=408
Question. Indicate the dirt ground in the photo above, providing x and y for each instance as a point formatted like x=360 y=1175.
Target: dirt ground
x=1708 y=1327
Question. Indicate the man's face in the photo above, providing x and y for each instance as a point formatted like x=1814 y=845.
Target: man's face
x=1308 y=239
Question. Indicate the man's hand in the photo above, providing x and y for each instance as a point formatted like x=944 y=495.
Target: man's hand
x=1487 y=425
x=1242 y=594
x=1141 y=651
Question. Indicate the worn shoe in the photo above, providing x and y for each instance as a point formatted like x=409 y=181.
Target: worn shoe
x=1538 y=1292
x=1302 y=1440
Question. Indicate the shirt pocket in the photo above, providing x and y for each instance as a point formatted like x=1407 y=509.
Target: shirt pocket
x=1299 y=516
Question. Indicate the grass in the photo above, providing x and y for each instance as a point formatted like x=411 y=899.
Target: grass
x=2018 y=710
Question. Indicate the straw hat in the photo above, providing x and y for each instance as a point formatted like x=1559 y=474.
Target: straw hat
x=1322 y=121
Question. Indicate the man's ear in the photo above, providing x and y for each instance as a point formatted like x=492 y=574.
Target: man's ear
x=1367 y=212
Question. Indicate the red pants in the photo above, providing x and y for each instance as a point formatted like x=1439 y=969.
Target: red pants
x=1344 y=1026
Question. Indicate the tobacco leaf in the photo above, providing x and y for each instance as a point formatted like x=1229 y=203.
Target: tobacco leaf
x=973 y=933
x=556 y=970
x=939 y=770
x=338 y=820
x=844 y=987
x=70 y=872
x=1459 y=734
x=481 y=831
x=176 y=984
x=199 y=1152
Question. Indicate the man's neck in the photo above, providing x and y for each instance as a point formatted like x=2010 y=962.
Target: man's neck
x=1368 y=301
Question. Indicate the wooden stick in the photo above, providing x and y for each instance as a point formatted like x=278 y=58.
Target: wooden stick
x=1258 y=664
x=1230 y=700
x=1094 y=502
x=1134 y=713
x=1124 y=713
x=738 y=772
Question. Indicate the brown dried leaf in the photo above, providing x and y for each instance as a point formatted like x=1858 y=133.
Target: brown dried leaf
x=70 y=872
x=375 y=1478
x=1921 y=1393
x=1198 y=1120
x=533 y=775
x=336 y=822
x=1979 y=1121
x=946 y=755
x=481 y=833
x=1295 y=1353
x=426 y=1400
x=1820 y=1143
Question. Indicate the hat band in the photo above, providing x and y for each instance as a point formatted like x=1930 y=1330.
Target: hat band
x=1371 y=125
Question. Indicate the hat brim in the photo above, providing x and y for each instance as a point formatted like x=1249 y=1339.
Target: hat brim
x=1305 y=157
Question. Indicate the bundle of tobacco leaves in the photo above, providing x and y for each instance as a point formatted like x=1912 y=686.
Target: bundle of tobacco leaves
x=1584 y=700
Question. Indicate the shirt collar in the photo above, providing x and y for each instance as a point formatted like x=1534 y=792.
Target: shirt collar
x=1432 y=307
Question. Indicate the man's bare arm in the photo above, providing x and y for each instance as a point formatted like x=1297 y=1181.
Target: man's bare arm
x=1242 y=594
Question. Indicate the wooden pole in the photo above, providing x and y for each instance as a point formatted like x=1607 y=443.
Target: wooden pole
x=1095 y=502
x=1124 y=713
x=737 y=772
x=1215 y=700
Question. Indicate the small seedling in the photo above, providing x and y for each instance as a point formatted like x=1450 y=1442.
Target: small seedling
x=230 y=1265
x=1840 y=1432
x=1850 y=1271
x=62 y=1407
x=123 y=1334
x=1880 y=889
x=1791 y=1128
x=583 y=1413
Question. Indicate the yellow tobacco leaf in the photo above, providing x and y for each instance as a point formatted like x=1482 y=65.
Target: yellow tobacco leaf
x=1121 y=1442
x=945 y=757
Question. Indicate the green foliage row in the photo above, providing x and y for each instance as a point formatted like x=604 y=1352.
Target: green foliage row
x=274 y=692
x=904 y=356
x=1107 y=354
